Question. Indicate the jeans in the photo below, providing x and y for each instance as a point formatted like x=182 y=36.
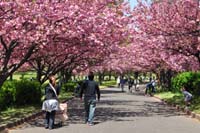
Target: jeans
x=122 y=87
x=49 y=119
x=90 y=105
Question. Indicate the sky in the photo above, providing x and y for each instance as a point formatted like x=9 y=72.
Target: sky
x=132 y=3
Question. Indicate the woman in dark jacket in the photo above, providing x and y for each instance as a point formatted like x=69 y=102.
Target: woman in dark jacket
x=51 y=104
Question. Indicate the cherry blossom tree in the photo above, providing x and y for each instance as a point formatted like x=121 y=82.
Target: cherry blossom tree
x=80 y=35
x=174 y=27
x=20 y=35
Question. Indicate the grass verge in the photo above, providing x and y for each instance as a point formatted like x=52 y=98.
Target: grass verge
x=16 y=113
x=178 y=99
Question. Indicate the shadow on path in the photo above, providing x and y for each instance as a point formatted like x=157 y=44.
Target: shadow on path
x=123 y=110
x=113 y=109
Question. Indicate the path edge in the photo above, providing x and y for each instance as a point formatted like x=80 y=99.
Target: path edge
x=5 y=128
x=179 y=108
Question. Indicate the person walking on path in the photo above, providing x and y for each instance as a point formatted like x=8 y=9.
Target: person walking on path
x=130 y=84
x=122 y=83
x=90 y=88
x=118 y=81
x=51 y=104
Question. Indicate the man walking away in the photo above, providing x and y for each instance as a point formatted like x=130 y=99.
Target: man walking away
x=130 y=84
x=90 y=88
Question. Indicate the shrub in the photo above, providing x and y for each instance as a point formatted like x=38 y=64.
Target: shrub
x=181 y=80
x=27 y=92
x=22 y=92
x=195 y=83
x=7 y=94
x=190 y=80
x=69 y=87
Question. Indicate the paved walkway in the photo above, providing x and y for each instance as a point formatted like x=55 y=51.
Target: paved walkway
x=121 y=113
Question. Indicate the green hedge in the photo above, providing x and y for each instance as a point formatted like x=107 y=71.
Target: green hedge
x=19 y=93
x=27 y=92
x=7 y=95
x=69 y=87
x=191 y=80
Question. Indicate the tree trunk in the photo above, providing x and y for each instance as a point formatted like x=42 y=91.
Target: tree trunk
x=39 y=76
x=145 y=76
x=103 y=76
x=150 y=75
x=2 y=80
x=168 y=79
x=11 y=77
x=162 y=78
x=67 y=75
x=110 y=76
x=115 y=78
x=165 y=79
x=100 y=78
x=136 y=74
x=7 y=69
x=158 y=78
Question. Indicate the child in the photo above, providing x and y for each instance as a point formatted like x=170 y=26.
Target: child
x=187 y=96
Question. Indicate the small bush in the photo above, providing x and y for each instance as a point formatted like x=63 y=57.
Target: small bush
x=27 y=92
x=190 y=80
x=7 y=94
x=69 y=87
x=181 y=80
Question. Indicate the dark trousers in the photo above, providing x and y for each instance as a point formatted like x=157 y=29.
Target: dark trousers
x=49 y=119
x=148 y=89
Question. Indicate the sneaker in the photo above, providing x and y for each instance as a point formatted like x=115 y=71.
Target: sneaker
x=91 y=124
x=46 y=126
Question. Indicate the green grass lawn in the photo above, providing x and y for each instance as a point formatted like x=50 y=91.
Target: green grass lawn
x=25 y=75
x=107 y=84
x=177 y=98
